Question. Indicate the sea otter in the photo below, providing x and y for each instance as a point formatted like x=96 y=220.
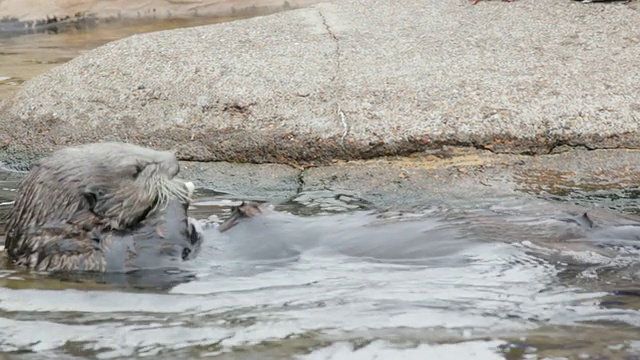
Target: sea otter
x=101 y=207
x=257 y=231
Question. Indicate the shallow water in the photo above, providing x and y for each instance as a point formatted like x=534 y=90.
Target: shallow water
x=29 y=55
x=485 y=280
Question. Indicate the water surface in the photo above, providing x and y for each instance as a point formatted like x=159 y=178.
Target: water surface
x=487 y=280
x=484 y=280
x=31 y=54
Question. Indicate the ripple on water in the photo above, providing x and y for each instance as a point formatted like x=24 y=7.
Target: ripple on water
x=384 y=350
x=332 y=297
x=473 y=303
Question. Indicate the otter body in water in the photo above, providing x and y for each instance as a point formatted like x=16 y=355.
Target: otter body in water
x=261 y=233
x=102 y=207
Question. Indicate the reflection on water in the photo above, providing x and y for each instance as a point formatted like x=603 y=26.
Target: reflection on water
x=24 y=57
x=489 y=281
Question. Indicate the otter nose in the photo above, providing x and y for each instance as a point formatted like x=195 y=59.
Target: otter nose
x=172 y=167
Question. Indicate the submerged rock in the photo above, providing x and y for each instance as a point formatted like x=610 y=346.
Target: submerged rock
x=348 y=80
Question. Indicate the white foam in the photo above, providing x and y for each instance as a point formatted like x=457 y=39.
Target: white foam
x=384 y=350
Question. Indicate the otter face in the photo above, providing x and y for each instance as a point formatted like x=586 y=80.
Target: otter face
x=94 y=186
x=148 y=190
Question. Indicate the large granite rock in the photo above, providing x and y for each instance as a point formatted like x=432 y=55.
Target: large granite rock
x=350 y=79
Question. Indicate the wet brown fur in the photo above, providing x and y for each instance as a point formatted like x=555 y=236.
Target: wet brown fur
x=246 y=209
x=83 y=193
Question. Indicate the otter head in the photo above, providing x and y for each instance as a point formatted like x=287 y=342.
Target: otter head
x=94 y=186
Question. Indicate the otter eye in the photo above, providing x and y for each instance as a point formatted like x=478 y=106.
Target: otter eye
x=137 y=170
x=91 y=199
x=92 y=194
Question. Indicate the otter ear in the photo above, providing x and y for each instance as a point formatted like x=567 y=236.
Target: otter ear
x=93 y=194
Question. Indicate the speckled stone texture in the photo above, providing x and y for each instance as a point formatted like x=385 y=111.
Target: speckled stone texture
x=350 y=80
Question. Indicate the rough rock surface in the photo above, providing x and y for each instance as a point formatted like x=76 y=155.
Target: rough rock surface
x=458 y=176
x=454 y=176
x=350 y=80
x=266 y=182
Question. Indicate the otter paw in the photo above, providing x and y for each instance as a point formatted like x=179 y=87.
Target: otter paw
x=210 y=222
x=195 y=231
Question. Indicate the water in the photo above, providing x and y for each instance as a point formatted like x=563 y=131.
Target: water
x=27 y=56
x=484 y=280
x=487 y=281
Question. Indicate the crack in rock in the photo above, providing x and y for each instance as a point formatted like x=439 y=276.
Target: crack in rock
x=339 y=113
x=337 y=42
x=300 y=180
